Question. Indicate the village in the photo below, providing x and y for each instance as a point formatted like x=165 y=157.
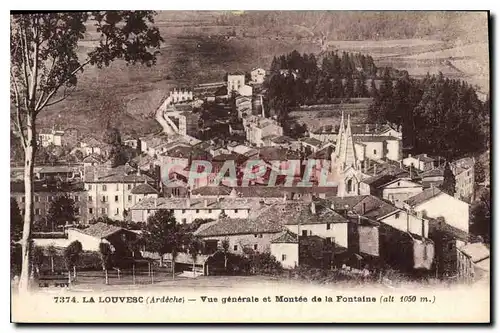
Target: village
x=341 y=197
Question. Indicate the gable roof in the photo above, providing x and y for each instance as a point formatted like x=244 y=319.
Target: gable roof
x=424 y=196
x=100 y=230
x=323 y=215
x=227 y=226
x=286 y=237
x=144 y=189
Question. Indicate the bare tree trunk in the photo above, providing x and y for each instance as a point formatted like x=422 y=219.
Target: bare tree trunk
x=106 y=276
x=74 y=272
x=194 y=263
x=29 y=154
x=173 y=266
x=52 y=264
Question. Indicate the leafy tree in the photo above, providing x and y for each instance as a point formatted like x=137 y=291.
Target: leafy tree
x=62 y=211
x=194 y=249
x=162 y=235
x=79 y=155
x=479 y=174
x=51 y=252
x=71 y=256
x=37 y=260
x=225 y=250
x=449 y=181
x=481 y=216
x=105 y=254
x=349 y=87
x=44 y=70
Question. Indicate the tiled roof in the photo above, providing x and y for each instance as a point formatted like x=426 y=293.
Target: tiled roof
x=39 y=187
x=463 y=164
x=187 y=152
x=196 y=203
x=144 y=189
x=282 y=139
x=435 y=225
x=374 y=138
x=229 y=226
x=423 y=158
x=312 y=141
x=323 y=215
x=56 y=169
x=120 y=174
x=436 y=172
x=378 y=180
x=94 y=158
x=323 y=154
x=100 y=230
x=286 y=237
x=211 y=190
x=423 y=196
x=278 y=154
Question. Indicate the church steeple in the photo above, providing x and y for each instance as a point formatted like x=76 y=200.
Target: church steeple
x=340 y=136
x=350 y=153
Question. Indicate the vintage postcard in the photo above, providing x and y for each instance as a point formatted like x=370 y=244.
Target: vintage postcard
x=250 y=166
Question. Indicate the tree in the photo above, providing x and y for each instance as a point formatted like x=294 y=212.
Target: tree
x=481 y=215
x=225 y=250
x=162 y=235
x=194 y=248
x=449 y=181
x=62 y=211
x=16 y=221
x=79 y=155
x=44 y=70
x=71 y=255
x=479 y=174
x=51 y=252
x=105 y=254
x=38 y=257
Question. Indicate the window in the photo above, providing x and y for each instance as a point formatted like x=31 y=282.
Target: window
x=328 y=240
x=90 y=187
x=104 y=198
x=37 y=211
x=283 y=257
x=304 y=232
x=129 y=187
x=450 y=246
x=77 y=211
x=399 y=184
x=396 y=216
x=183 y=211
x=255 y=246
x=77 y=198
x=23 y=199
x=197 y=211
x=235 y=247
x=91 y=210
x=260 y=235
x=116 y=198
x=328 y=226
x=37 y=198
x=349 y=185
x=117 y=211
x=129 y=198
x=184 y=221
x=90 y=198
x=103 y=210
x=223 y=211
x=255 y=235
x=374 y=151
x=148 y=211
x=209 y=211
x=104 y=187
x=236 y=211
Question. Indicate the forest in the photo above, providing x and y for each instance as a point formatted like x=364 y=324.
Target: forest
x=437 y=115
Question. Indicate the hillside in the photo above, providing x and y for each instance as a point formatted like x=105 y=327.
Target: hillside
x=202 y=46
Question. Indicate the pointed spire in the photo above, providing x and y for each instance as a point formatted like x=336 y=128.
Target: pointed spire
x=340 y=136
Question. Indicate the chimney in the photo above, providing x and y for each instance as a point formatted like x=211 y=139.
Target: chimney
x=374 y=169
x=313 y=208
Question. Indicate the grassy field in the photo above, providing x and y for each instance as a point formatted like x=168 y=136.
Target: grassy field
x=198 y=49
x=330 y=115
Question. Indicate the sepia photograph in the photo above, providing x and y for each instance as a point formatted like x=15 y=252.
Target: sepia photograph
x=298 y=166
